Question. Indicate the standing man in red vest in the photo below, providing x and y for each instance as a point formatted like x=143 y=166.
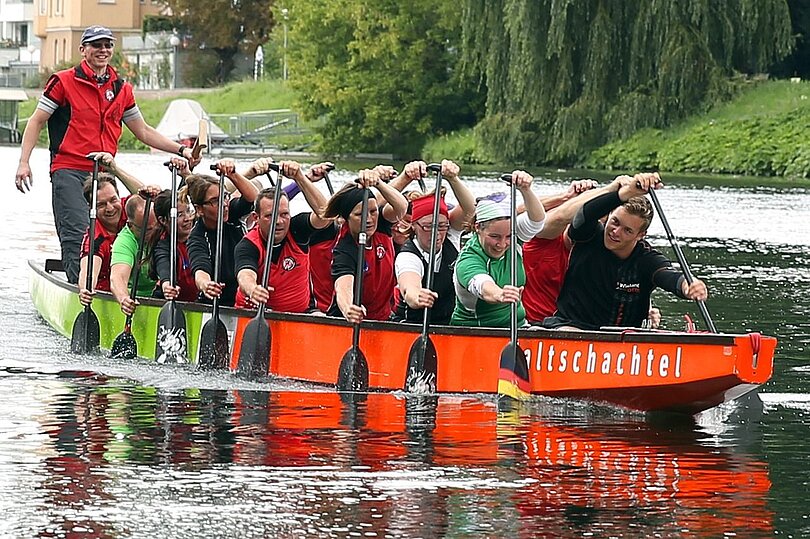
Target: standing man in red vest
x=85 y=108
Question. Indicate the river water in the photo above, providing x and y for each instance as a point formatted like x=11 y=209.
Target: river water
x=95 y=448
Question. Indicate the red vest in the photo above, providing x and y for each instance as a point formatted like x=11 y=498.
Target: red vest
x=320 y=261
x=289 y=277
x=545 y=262
x=185 y=278
x=379 y=280
x=103 y=247
x=89 y=118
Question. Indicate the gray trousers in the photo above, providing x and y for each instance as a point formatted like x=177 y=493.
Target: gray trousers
x=71 y=216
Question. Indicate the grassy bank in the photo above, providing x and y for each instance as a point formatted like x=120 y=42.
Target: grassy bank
x=763 y=132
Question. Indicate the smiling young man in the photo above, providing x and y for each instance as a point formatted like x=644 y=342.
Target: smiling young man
x=613 y=270
x=85 y=108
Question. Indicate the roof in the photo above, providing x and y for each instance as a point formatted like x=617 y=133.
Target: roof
x=13 y=94
x=182 y=119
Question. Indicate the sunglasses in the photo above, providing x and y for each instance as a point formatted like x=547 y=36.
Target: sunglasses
x=215 y=201
x=101 y=44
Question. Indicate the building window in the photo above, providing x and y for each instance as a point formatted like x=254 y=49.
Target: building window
x=43 y=7
x=106 y=1
x=58 y=9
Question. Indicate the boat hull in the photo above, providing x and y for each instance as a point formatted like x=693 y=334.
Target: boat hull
x=640 y=370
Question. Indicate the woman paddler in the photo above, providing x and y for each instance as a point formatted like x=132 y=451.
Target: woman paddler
x=411 y=263
x=482 y=274
x=159 y=244
x=378 y=276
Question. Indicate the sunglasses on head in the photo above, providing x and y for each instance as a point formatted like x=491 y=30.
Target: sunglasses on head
x=494 y=197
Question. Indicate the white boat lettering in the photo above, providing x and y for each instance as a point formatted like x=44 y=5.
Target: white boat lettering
x=647 y=363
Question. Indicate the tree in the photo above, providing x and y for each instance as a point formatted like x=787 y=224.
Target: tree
x=381 y=74
x=564 y=76
x=226 y=27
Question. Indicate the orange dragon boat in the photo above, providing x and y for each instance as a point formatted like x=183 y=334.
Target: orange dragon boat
x=635 y=369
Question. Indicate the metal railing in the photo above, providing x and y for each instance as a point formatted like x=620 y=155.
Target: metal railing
x=259 y=126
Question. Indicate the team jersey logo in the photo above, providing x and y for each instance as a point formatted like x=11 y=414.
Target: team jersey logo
x=380 y=252
x=109 y=94
x=288 y=263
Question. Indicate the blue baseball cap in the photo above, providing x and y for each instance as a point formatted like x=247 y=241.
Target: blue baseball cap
x=94 y=33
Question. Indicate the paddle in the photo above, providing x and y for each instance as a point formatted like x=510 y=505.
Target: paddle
x=254 y=355
x=421 y=181
x=202 y=140
x=171 y=333
x=422 y=361
x=214 y=344
x=687 y=273
x=86 y=331
x=125 y=346
x=353 y=370
x=513 y=377
x=329 y=168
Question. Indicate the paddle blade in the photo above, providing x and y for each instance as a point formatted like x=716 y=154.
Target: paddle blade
x=84 y=338
x=202 y=139
x=214 y=345
x=513 y=378
x=171 y=335
x=124 y=346
x=254 y=355
x=353 y=371
x=421 y=376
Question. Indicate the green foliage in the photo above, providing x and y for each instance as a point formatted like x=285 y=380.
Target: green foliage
x=763 y=133
x=158 y=23
x=460 y=146
x=565 y=76
x=382 y=74
x=225 y=27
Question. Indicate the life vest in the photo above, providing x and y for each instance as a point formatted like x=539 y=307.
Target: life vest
x=289 y=276
x=442 y=284
x=89 y=120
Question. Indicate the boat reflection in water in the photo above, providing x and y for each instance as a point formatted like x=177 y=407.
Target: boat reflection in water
x=290 y=463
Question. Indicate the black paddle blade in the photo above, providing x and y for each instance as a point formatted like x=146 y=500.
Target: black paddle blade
x=124 y=347
x=513 y=378
x=214 y=345
x=84 y=338
x=353 y=371
x=254 y=355
x=171 y=346
x=421 y=376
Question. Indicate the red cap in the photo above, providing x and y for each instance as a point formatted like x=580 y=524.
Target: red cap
x=424 y=206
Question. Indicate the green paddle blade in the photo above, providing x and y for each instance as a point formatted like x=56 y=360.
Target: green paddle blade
x=513 y=378
x=124 y=346
x=171 y=346
x=421 y=374
x=254 y=356
x=84 y=338
x=353 y=371
x=214 y=345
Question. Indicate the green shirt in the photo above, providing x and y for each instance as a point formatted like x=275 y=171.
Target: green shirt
x=471 y=310
x=124 y=251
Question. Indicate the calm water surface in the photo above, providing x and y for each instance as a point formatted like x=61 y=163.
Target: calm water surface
x=95 y=448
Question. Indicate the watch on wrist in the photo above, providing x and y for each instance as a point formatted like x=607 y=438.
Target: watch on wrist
x=180 y=151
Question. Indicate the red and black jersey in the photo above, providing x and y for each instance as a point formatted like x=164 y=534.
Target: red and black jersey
x=378 y=270
x=88 y=115
x=289 y=267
